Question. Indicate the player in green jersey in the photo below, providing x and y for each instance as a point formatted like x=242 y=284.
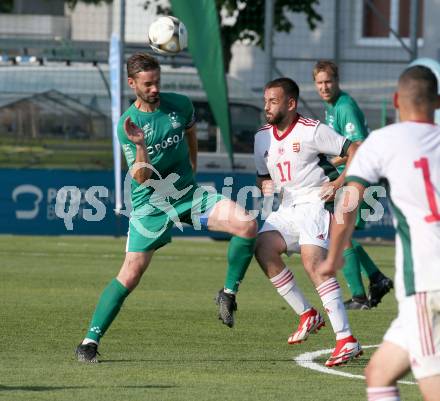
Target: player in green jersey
x=344 y=115
x=158 y=137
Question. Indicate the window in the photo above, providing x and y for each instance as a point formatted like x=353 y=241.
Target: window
x=245 y=121
x=206 y=127
x=396 y=13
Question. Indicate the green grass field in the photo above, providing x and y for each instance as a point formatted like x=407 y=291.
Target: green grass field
x=166 y=343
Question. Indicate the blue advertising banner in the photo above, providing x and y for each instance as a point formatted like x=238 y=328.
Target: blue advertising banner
x=27 y=203
x=86 y=203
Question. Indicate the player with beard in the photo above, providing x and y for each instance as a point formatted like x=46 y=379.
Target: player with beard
x=290 y=157
x=158 y=137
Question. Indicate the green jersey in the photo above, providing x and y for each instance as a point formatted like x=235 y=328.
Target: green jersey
x=347 y=119
x=164 y=132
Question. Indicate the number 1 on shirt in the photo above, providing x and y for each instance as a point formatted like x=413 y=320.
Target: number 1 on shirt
x=423 y=164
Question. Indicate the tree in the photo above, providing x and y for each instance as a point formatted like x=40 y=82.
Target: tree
x=244 y=20
x=6 y=6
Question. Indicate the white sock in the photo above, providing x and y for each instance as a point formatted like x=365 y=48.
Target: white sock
x=331 y=297
x=88 y=341
x=286 y=286
x=383 y=394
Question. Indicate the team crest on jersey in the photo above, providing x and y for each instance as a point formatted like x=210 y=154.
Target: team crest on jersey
x=281 y=151
x=350 y=128
x=330 y=120
x=296 y=147
x=174 y=119
x=147 y=130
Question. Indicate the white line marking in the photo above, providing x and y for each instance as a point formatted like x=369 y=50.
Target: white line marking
x=306 y=361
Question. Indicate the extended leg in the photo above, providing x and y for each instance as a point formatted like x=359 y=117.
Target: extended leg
x=347 y=347
x=270 y=246
x=110 y=302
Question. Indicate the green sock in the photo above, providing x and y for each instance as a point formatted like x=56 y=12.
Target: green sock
x=352 y=273
x=240 y=254
x=108 y=307
x=368 y=267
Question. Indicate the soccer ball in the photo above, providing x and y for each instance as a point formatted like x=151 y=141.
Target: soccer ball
x=168 y=35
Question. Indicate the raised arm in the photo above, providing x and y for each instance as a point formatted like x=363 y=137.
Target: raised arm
x=140 y=170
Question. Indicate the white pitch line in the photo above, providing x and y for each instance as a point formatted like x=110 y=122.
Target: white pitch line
x=306 y=361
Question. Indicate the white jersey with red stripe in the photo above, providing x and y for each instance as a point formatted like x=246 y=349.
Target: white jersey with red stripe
x=407 y=157
x=296 y=161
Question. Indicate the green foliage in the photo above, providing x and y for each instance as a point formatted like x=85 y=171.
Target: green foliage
x=249 y=19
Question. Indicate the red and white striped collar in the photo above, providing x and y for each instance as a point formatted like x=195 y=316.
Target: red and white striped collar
x=288 y=130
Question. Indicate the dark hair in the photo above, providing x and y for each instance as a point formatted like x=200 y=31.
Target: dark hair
x=289 y=86
x=327 y=66
x=421 y=84
x=141 y=62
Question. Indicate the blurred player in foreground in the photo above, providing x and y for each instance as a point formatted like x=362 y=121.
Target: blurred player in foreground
x=158 y=137
x=343 y=114
x=406 y=156
x=290 y=154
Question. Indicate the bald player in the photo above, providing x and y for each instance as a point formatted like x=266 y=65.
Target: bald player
x=406 y=156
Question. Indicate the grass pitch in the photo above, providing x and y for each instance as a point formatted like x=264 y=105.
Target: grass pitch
x=166 y=343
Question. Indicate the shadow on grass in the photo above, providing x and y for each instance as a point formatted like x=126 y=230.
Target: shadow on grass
x=58 y=388
x=358 y=362
x=193 y=360
x=148 y=386
x=38 y=388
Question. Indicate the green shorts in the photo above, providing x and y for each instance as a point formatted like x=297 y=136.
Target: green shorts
x=150 y=226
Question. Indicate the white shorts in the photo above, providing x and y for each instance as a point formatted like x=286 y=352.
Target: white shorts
x=417 y=330
x=303 y=224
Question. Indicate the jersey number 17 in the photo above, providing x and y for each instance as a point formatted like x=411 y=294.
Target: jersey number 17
x=284 y=170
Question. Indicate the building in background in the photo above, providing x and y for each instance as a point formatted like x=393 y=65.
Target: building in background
x=352 y=33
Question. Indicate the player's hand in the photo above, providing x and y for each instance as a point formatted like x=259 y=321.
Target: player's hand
x=267 y=188
x=134 y=133
x=338 y=161
x=329 y=268
x=328 y=191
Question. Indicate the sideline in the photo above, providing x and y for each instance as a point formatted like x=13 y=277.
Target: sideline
x=306 y=360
